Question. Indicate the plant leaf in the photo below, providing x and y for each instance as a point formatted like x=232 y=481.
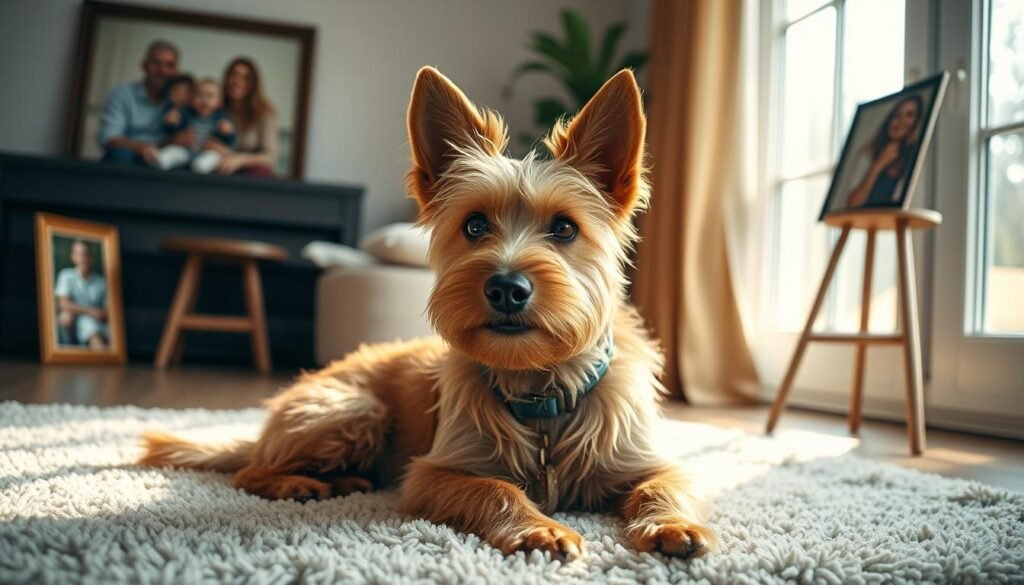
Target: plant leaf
x=532 y=67
x=528 y=67
x=635 y=61
x=577 y=42
x=584 y=88
x=529 y=140
x=609 y=43
x=570 y=62
x=547 y=111
x=548 y=46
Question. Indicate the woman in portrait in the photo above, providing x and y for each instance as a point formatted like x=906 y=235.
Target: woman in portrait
x=884 y=162
x=255 y=151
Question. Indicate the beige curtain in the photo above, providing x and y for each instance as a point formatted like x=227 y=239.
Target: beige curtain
x=685 y=279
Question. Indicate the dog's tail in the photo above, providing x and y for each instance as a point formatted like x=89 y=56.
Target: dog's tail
x=164 y=450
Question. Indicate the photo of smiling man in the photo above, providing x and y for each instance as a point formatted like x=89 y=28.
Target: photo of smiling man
x=81 y=292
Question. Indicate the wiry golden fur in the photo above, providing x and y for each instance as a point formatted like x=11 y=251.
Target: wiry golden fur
x=423 y=412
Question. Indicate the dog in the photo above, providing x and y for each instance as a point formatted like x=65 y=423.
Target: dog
x=539 y=393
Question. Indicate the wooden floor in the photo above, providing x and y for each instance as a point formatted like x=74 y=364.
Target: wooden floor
x=994 y=461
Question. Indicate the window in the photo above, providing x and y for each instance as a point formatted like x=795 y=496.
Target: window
x=978 y=314
x=1001 y=141
x=821 y=59
x=831 y=56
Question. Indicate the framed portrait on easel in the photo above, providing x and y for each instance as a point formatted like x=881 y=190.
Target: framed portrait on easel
x=881 y=159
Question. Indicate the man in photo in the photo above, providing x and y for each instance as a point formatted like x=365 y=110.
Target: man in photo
x=82 y=300
x=131 y=127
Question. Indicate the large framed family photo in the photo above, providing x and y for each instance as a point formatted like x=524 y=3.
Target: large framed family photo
x=190 y=91
x=78 y=270
x=881 y=159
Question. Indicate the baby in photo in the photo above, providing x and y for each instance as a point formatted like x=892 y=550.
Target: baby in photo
x=177 y=94
x=200 y=110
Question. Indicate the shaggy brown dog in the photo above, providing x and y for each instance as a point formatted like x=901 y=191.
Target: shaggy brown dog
x=540 y=394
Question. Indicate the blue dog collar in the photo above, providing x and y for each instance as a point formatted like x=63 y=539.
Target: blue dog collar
x=560 y=400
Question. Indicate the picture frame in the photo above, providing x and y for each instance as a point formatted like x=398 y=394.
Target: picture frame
x=78 y=277
x=208 y=42
x=882 y=157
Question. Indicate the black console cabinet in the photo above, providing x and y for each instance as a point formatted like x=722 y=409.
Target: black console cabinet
x=148 y=205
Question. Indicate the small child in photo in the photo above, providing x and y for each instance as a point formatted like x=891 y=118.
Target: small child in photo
x=178 y=93
x=205 y=117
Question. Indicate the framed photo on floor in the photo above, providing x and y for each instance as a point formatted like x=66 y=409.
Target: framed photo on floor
x=884 y=150
x=78 y=275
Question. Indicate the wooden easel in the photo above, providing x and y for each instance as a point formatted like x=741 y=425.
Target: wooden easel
x=873 y=220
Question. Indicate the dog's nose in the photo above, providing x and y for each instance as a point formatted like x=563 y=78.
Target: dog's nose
x=508 y=293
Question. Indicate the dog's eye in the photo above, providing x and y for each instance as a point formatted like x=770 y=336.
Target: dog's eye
x=476 y=226
x=563 y=230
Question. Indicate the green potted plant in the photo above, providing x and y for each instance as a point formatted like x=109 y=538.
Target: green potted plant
x=572 y=63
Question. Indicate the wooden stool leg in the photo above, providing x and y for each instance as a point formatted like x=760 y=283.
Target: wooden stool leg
x=794 y=364
x=172 y=329
x=254 y=302
x=856 y=397
x=190 y=307
x=911 y=339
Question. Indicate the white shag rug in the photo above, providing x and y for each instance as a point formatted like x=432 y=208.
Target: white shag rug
x=790 y=509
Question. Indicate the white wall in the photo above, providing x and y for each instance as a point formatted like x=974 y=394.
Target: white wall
x=367 y=54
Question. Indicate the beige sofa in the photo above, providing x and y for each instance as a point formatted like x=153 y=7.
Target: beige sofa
x=369 y=304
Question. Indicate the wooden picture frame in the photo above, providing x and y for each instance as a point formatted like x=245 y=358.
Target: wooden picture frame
x=59 y=328
x=852 y=186
x=94 y=11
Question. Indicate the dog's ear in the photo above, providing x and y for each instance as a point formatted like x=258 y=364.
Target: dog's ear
x=605 y=141
x=441 y=121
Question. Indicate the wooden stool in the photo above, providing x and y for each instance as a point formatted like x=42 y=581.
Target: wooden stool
x=183 y=316
x=873 y=220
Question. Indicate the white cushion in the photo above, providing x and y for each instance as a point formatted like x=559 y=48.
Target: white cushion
x=398 y=243
x=369 y=304
x=329 y=254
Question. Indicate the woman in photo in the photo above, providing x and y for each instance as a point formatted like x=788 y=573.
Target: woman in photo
x=255 y=152
x=884 y=162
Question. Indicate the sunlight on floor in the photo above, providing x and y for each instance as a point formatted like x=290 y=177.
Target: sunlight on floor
x=700 y=448
x=957 y=457
x=685 y=438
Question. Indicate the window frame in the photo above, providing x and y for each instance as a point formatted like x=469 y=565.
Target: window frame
x=963 y=390
x=979 y=252
x=816 y=386
x=976 y=373
x=777 y=181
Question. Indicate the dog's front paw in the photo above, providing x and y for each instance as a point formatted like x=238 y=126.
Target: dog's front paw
x=282 y=487
x=343 y=486
x=677 y=540
x=302 y=489
x=559 y=540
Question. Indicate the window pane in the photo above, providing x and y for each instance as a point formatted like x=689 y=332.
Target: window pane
x=797 y=8
x=801 y=252
x=843 y=310
x=1006 y=62
x=872 y=53
x=806 y=125
x=1004 y=278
